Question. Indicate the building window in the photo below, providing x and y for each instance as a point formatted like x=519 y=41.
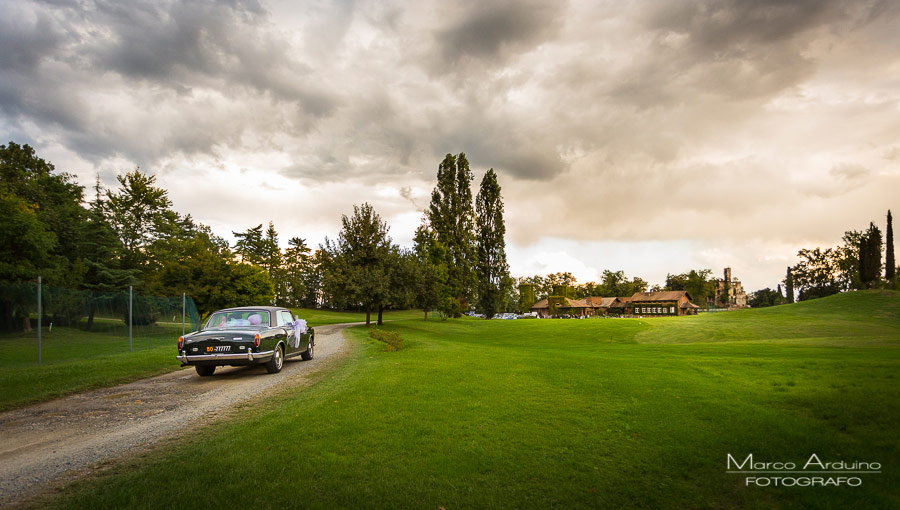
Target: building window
x=671 y=309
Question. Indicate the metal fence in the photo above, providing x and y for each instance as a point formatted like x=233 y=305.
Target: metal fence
x=44 y=323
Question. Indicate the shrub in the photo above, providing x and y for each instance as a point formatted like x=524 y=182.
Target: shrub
x=390 y=338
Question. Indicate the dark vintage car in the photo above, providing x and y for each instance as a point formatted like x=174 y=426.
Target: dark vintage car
x=249 y=335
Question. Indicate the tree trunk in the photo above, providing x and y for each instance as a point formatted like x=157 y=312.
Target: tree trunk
x=90 y=323
x=426 y=315
x=368 y=315
x=380 y=315
x=26 y=324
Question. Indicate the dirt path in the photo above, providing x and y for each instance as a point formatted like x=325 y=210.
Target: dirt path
x=46 y=441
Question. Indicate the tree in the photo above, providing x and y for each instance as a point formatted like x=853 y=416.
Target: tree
x=250 y=246
x=356 y=263
x=431 y=274
x=451 y=216
x=765 y=297
x=101 y=251
x=789 y=286
x=697 y=283
x=492 y=270
x=295 y=278
x=870 y=257
x=617 y=284
x=207 y=273
x=54 y=200
x=400 y=274
x=816 y=274
x=890 y=265
x=140 y=214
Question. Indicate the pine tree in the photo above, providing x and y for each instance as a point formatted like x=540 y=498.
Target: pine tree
x=451 y=216
x=890 y=265
x=492 y=269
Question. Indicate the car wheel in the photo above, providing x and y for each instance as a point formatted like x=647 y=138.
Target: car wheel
x=308 y=355
x=277 y=362
x=205 y=370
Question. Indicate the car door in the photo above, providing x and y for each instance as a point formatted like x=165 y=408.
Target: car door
x=286 y=321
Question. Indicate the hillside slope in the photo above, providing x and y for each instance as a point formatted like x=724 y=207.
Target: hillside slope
x=852 y=318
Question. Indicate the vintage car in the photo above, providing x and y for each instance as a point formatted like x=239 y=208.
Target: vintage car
x=249 y=335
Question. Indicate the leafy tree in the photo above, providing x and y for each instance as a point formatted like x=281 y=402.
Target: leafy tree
x=617 y=284
x=431 y=275
x=816 y=274
x=55 y=201
x=25 y=241
x=451 y=216
x=356 y=264
x=400 y=273
x=698 y=283
x=492 y=272
x=207 y=273
x=765 y=297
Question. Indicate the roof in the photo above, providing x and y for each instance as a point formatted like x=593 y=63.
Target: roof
x=265 y=307
x=666 y=295
x=599 y=302
x=688 y=304
x=541 y=304
x=570 y=303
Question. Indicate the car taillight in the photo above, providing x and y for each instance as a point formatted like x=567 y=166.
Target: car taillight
x=180 y=342
x=256 y=340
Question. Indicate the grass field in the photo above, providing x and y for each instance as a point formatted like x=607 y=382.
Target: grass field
x=75 y=360
x=609 y=413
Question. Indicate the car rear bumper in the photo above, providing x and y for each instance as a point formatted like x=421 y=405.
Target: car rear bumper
x=226 y=359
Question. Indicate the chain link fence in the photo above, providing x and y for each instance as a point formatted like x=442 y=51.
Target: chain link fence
x=46 y=324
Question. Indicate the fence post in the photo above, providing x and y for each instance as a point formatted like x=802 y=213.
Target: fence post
x=129 y=317
x=183 y=304
x=39 y=318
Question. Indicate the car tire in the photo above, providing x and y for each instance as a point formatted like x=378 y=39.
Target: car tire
x=310 y=350
x=205 y=370
x=277 y=362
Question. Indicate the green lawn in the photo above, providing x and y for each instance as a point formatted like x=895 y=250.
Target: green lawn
x=559 y=414
x=75 y=360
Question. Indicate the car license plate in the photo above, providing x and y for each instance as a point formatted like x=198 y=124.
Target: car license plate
x=218 y=348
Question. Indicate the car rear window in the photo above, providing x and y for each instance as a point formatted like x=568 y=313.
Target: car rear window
x=237 y=319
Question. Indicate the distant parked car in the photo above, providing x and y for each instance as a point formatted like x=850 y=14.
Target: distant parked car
x=249 y=335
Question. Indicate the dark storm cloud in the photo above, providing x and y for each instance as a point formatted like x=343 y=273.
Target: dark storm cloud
x=490 y=32
x=153 y=58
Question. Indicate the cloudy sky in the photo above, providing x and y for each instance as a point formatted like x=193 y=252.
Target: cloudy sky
x=653 y=137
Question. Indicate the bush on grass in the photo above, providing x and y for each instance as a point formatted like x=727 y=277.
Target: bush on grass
x=390 y=338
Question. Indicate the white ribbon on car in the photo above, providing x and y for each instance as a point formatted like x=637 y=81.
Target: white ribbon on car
x=299 y=329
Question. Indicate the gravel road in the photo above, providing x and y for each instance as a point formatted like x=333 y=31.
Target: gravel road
x=47 y=441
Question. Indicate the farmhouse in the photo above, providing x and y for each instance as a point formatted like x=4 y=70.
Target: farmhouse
x=670 y=302
x=558 y=305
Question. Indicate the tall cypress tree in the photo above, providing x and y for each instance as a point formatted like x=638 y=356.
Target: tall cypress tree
x=789 y=286
x=493 y=271
x=452 y=218
x=890 y=265
x=870 y=257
